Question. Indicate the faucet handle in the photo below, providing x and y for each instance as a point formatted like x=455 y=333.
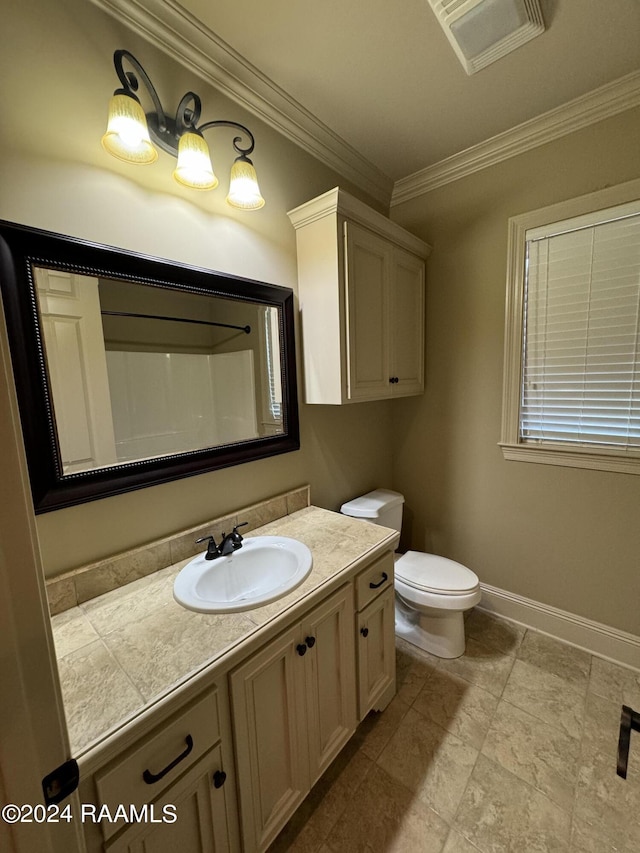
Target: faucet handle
x=236 y=538
x=212 y=548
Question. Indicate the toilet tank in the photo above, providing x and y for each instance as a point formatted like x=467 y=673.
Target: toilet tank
x=381 y=506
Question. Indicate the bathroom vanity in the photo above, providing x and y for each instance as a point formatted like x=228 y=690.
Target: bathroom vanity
x=239 y=713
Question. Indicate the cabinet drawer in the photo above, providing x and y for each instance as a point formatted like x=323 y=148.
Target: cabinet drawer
x=373 y=580
x=142 y=775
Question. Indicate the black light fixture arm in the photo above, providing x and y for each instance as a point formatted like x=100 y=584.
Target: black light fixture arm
x=243 y=152
x=130 y=82
x=165 y=131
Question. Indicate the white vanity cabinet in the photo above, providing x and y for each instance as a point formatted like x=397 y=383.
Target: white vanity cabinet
x=176 y=784
x=294 y=708
x=376 y=653
x=201 y=823
x=361 y=283
x=222 y=762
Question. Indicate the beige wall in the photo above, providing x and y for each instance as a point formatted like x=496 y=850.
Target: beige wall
x=56 y=77
x=567 y=537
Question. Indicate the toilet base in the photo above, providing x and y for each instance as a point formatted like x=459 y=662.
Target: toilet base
x=439 y=632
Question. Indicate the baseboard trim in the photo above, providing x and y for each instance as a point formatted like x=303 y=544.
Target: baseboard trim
x=594 y=637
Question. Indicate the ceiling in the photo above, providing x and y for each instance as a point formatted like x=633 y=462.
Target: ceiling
x=380 y=75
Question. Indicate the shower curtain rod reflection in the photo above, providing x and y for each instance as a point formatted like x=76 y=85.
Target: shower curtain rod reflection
x=246 y=329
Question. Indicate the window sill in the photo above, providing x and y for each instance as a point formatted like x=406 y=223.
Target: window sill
x=552 y=454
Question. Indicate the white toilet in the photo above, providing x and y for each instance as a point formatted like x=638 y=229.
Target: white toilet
x=432 y=592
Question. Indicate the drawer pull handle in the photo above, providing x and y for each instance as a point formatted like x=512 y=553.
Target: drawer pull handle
x=629 y=721
x=219 y=778
x=364 y=632
x=150 y=777
x=310 y=641
x=301 y=648
x=385 y=578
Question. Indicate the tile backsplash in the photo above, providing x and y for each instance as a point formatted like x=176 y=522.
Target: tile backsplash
x=79 y=585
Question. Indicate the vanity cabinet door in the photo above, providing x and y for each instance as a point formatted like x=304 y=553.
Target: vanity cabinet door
x=294 y=708
x=376 y=654
x=269 y=716
x=200 y=809
x=330 y=679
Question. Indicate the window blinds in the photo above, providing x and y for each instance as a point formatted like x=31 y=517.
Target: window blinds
x=581 y=358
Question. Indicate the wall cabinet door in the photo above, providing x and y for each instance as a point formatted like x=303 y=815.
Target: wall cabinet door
x=376 y=654
x=407 y=320
x=384 y=292
x=368 y=267
x=198 y=801
x=294 y=708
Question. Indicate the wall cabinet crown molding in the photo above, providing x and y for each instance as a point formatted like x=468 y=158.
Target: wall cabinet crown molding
x=337 y=202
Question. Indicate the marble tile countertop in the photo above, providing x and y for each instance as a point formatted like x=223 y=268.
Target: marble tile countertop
x=118 y=653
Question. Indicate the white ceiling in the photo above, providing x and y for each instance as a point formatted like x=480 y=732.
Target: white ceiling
x=381 y=75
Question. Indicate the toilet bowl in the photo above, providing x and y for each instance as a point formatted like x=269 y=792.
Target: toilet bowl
x=432 y=592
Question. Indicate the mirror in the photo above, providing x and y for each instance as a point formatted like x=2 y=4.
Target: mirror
x=132 y=371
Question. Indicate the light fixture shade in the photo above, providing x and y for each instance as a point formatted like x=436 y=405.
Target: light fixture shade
x=127 y=136
x=244 y=191
x=194 y=167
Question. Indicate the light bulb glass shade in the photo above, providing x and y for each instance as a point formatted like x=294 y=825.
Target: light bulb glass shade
x=244 y=191
x=127 y=136
x=194 y=167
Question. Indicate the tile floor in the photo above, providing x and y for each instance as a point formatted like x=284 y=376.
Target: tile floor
x=508 y=749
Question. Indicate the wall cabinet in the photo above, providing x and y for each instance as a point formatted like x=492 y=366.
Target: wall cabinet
x=361 y=283
x=294 y=708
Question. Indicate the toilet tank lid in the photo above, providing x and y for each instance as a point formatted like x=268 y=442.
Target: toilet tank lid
x=373 y=504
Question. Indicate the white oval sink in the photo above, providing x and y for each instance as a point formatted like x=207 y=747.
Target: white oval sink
x=263 y=570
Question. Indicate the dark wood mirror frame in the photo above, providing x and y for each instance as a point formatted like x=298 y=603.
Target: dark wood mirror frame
x=21 y=249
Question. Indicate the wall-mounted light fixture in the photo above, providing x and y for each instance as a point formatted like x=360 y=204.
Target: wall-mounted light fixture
x=130 y=136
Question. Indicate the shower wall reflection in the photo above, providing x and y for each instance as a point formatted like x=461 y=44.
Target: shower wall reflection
x=139 y=371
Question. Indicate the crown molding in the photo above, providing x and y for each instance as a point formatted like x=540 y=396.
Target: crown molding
x=338 y=203
x=167 y=25
x=606 y=101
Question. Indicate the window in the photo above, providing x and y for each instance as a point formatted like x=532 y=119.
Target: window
x=572 y=352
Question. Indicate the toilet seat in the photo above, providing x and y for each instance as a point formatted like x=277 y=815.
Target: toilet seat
x=434 y=574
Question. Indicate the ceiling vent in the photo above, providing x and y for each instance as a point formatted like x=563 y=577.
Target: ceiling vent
x=482 y=31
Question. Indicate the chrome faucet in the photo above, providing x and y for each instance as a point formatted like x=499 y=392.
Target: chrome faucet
x=229 y=543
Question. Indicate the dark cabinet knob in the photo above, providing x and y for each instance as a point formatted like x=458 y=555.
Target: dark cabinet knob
x=219 y=778
x=301 y=648
x=364 y=632
x=310 y=641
